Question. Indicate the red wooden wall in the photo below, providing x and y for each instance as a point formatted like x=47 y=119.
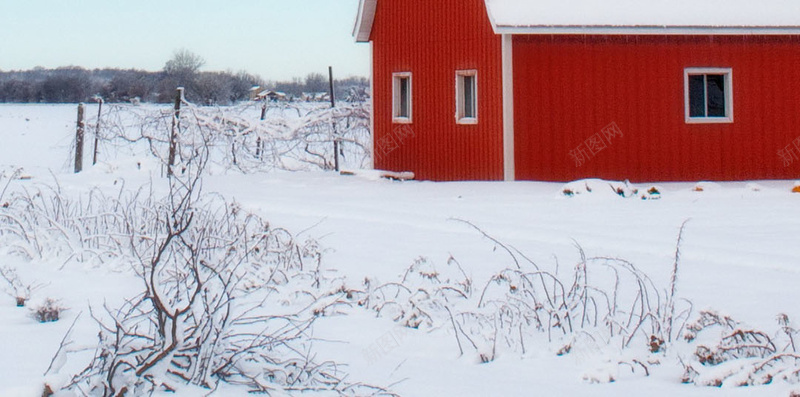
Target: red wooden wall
x=568 y=88
x=433 y=39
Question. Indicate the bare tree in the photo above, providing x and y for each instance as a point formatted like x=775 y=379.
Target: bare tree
x=184 y=63
x=182 y=71
x=316 y=82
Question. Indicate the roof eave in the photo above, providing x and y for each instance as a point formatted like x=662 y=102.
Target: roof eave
x=364 y=20
x=647 y=30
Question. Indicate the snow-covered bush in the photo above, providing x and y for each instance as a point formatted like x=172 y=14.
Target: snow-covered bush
x=215 y=281
x=423 y=295
x=602 y=303
x=209 y=311
x=15 y=287
x=291 y=137
x=6 y=177
x=47 y=311
x=41 y=221
x=727 y=352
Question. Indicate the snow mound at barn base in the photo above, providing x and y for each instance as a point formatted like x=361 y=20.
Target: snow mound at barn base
x=610 y=189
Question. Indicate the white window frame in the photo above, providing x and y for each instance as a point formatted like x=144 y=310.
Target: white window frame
x=396 y=100
x=728 y=75
x=460 y=110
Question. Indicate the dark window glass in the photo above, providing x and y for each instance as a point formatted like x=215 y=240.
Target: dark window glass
x=469 y=96
x=697 y=96
x=403 y=97
x=716 y=95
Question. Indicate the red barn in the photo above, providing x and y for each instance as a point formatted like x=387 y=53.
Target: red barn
x=557 y=90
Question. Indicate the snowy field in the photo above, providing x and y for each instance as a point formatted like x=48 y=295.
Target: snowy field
x=739 y=257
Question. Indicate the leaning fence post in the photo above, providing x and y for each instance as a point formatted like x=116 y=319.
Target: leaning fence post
x=79 y=140
x=263 y=117
x=176 y=125
x=333 y=120
x=97 y=129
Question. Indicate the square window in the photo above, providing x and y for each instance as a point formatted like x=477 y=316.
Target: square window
x=401 y=97
x=708 y=95
x=467 y=97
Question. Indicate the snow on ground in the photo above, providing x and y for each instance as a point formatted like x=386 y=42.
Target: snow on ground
x=740 y=255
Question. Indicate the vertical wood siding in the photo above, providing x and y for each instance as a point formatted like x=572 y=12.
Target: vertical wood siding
x=433 y=39
x=568 y=88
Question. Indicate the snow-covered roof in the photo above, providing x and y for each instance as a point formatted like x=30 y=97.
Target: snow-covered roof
x=364 y=20
x=267 y=93
x=645 y=16
x=626 y=17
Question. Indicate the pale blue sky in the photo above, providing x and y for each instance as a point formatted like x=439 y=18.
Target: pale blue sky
x=277 y=39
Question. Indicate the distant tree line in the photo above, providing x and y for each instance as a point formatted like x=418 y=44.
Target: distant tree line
x=351 y=89
x=74 y=84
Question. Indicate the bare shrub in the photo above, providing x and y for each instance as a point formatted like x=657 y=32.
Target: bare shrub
x=213 y=280
x=727 y=352
x=607 y=300
x=422 y=296
x=8 y=176
x=291 y=137
x=48 y=311
x=602 y=302
x=41 y=221
x=15 y=288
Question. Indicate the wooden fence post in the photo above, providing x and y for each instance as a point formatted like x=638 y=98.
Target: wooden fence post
x=263 y=109
x=176 y=125
x=335 y=135
x=79 y=139
x=97 y=129
x=263 y=116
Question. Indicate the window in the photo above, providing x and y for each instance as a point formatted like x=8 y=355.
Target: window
x=708 y=95
x=466 y=97
x=401 y=97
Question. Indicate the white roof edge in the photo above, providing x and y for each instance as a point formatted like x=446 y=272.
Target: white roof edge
x=648 y=30
x=705 y=17
x=492 y=20
x=364 y=20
